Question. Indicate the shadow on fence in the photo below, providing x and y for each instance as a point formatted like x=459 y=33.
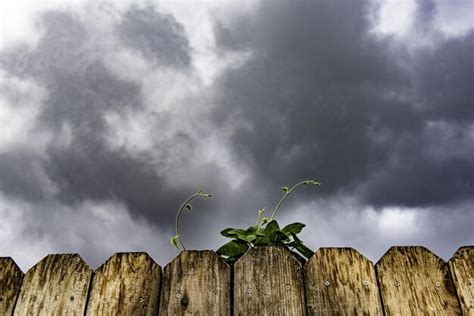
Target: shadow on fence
x=265 y=281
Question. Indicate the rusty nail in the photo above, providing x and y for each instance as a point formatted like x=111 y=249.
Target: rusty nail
x=33 y=298
x=141 y=300
x=397 y=284
x=104 y=301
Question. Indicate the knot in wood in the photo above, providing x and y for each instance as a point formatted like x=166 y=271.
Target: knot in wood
x=184 y=301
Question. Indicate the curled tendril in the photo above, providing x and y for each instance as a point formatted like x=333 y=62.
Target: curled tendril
x=176 y=240
x=287 y=192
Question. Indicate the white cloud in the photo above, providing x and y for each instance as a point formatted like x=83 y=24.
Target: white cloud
x=455 y=18
x=345 y=222
x=30 y=231
x=394 y=17
x=21 y=101
x=398 y=19
x=17 y=23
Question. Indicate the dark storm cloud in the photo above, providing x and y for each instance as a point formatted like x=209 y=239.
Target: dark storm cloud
x=19 y=175
x=324 y=98
x=157 y=36
x=81 y=91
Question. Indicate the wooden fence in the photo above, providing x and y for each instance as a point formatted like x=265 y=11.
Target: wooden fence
x=265 y=281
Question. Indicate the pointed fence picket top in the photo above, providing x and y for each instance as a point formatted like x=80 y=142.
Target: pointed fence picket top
x=268 y=281
x=196 y=283
x=340 y=281
x=462 y=271
x=413 y=280
x=10 y=282
x=57 y=285
x=126 y=284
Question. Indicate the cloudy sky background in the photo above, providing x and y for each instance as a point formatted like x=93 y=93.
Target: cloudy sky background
x=112 y=114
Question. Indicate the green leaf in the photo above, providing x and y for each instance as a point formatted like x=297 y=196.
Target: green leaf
x=174 y=241
x=254 y=230
x=294 y=228
x=285 y=189
x=232 y=232
x=262 y=241
x=296 y=239
x=271 y=227
x=232 y=249
x=278 y=237
x=264 y=220
x=188 y=206
x=305 y=251
x=247 y=238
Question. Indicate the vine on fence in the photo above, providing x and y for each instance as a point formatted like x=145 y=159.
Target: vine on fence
x=265 y=232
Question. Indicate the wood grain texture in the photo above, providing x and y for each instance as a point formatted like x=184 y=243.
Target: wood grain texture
x=57 y=285
x=268 y=281
x=10 y=282
x=462 y=272
x=126 y=284
x=414 y=281
x=340 y=281
x=196 y=283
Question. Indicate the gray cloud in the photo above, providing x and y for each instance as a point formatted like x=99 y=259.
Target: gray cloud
x=324 y=98
x=157 y=36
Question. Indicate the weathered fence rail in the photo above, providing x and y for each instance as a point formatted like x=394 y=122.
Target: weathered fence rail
x=265 y=281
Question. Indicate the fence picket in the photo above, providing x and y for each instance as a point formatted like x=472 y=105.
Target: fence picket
x=414 y=281
x=196 y=283
x=268 y=281
x=462 y=271
x=126 y=284
x=340 y=281
x=10 y=282
x=57 y=285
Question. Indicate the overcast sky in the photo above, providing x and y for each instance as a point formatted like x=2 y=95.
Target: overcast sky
x=112 y=114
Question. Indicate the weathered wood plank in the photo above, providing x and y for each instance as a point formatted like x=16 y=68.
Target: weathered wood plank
x=462 y=272
x=10 y=282
x=126 y=284
x=268 y=281
x=340 y=281
x=196 y=283
x=414 y=281
x=57 y=285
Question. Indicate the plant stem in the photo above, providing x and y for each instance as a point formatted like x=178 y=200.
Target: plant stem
x=199 y=193
x=306 y=182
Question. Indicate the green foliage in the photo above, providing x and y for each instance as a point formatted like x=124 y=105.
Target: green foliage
x=266 y=232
